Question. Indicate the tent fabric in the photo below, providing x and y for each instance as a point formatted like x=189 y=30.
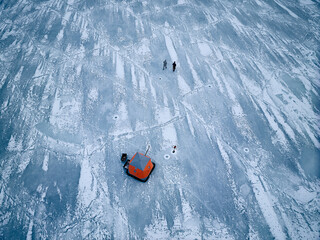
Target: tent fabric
x=140 y=161
x=140 y=167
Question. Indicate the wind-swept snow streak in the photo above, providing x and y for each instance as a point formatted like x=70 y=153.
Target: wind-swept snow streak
x=171 y=48
x=266 y=205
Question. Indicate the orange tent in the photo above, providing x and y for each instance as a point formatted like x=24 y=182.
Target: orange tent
x=140 y=167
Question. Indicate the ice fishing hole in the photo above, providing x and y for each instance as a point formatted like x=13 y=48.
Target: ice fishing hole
x=166 y=156
x=209 y=86
x=115 y=117
x=246 y=150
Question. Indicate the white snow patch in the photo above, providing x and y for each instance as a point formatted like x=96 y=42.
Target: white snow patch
x=96 y=51
x=218 y=54
x=120 y=67
x=306 y=2
x=311 y=135
x=204 y=48
x=29 y=234
x=153 y=91
x=158 y=230
x=121 y=223
x=181 y=1
x=2 y=81
x=215 y=230
x=163 y=115
x=183 y=86
x=60 y=35
x=190 y=124
x=78 y=70
x=171 y=49
x=273 y=124
x=238 y=200
x=230 y=91
x=4 y=105
x=14 y=145
x=55 y=105
x=140 y=125
x=84 y=32
x=65 y=113
x=217 y=79
x=142 y=84
x=169 y=135
x=251 y=86
x=287 y=9
x=237 y=110
x=189 y=221
x=87 y=184
x=195 y=76
x=45 y=162
x=23 y=164
x=59 y=192
x=122 y=124
x=93 y=94
x=38 y=71
x=165 y=101
x=253 y=235
x=133 y=77
x=17 y=77
x=1 y=196
x=266 y=205
x=286 y=127
x=304 y=196
x=186 y=210
x=235 y=22
x=66 y=18
x=144 y=48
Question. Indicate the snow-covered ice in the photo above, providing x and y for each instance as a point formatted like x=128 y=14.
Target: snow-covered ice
x=82 y=82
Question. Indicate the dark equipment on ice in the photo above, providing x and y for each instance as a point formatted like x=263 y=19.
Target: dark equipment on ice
x=124 y=157
x=174 y=66
x=139 y=167
x=174 y=149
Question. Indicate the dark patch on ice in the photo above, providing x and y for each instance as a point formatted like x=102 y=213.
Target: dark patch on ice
x=310 y=161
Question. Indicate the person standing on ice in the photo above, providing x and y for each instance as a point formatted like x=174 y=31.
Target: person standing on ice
x=164 y=64
x=174 y=66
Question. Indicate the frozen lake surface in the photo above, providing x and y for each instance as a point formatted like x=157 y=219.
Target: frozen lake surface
x=82 y=82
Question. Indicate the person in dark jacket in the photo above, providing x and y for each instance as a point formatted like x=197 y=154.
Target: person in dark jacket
x=174 y=66
x=164 y=64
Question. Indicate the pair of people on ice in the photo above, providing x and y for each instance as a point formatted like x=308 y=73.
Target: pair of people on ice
x=174 y=65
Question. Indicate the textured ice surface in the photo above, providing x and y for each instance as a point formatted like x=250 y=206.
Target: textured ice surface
x=82 y=81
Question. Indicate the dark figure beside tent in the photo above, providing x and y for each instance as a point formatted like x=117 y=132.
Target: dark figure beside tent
x=174 y=66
